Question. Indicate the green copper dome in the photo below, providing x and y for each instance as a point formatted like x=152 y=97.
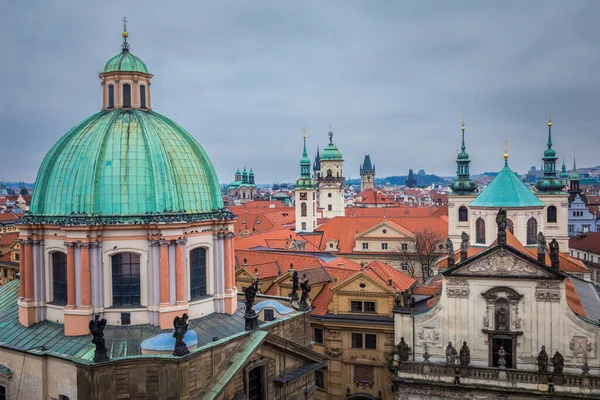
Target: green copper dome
x=331 y=152
x=506 y=190
x=126 y=163
x=125 y=62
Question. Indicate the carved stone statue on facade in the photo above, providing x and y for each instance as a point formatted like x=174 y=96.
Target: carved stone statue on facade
x=295 y=286
x=554 y=254
x=558 y=362
x=541 y=242
x=97 y=331
x=464 y=245
x=305 y=288
x=501 y=319
x=542 y=360
x=250 y=293
x=403 y=350
x=451 y=354
x=450 y=250
x=465 y=355
x=501 y=221
x=181 y=326
x=464 y=241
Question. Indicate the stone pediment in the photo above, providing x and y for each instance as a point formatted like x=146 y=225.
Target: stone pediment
x=385 y=229
x=505 y=262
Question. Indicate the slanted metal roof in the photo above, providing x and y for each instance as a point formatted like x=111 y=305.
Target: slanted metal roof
x=588 y=295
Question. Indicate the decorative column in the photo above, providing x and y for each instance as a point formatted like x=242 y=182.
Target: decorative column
x=229 y=265
x=70 y=274
x=26 y=302
x=164 y=274
x=85 y=275
x=180 y=270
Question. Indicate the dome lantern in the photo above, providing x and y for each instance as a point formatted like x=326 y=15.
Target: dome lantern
x=125 y=79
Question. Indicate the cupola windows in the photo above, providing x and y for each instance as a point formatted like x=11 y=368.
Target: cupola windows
x=142 y=96
x=480 y=231
x=59 y=278
x=111 y=96
x=531 y=231
x=463 y=214
x=552 y=214
x=126 y=279
x=197 y=273
x=126 y=95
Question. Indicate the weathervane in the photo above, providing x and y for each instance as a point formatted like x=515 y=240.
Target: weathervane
x=125 y=45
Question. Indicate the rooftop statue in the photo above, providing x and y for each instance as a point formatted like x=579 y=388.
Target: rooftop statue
x=97 y=331
x=542 y=360
x=181 y=326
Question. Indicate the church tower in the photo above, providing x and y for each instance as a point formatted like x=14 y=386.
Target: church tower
x=306 y=197
x=331 y=181
x=367 y=174
x=463 y=192
x=554 y=221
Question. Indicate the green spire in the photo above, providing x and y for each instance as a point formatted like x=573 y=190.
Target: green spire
x=549 y=183
x=462 y=183
x=574 y=175
x=305 y=181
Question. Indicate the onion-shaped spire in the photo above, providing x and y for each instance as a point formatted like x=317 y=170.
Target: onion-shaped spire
x=463 y=184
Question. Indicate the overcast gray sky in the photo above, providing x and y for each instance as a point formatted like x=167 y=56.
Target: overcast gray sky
x=392 y=78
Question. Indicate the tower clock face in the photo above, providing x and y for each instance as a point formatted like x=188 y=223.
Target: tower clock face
x=303 y=196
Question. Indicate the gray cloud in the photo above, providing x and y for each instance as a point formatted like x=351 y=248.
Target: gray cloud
x=391 y=77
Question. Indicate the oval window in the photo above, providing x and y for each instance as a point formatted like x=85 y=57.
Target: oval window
x=362 y=286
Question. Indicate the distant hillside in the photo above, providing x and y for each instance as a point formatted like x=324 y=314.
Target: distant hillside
x=422 y=180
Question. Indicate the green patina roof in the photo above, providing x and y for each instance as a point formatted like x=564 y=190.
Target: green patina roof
x=127 y=62
x=331 y=153
x=126 y=163
x=506 y=190
x=280 y=195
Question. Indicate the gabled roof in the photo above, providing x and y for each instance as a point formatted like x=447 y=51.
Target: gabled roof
x=389 y=223
x=385 y=273
x=283 y=239
x=345 y=228
x=583 y=299
x=320 y=305
x=374 y=196
x=527 y=268
x=506 y=190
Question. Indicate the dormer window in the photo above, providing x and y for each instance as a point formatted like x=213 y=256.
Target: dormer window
x=142 y=96
x=126 y=95
x=111 y=96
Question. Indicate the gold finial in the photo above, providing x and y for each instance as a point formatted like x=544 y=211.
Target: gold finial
x=463 y=122
x=549 y=117
x=506 y=149
x=125 y=34
x=304 y=132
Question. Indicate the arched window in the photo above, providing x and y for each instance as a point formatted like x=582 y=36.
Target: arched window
x=59 y=278
x=127 y=95
x=197 y=273
x=480 y=231
x=329 y=173
x=303 y=209
x=111 y=96
x=126 y=279
x=142 y=96
x=551 y=214
x=463 y=214
x=531 y=231
x=510 y=226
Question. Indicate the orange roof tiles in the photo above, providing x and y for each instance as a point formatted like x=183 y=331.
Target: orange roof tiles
x=589 y=242
x=425 y=291
x=283 y=239
x=384 y=273
x=573 y=299
x=346 y=228
x=8 y=238
x=433 y=301
x=374 y=196
x=396 y=212
x=320 y=304
x=8 y=216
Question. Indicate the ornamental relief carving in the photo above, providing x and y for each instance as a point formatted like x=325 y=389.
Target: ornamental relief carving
x=580 y=345
x=333 y=351
x=389 y=339
x=547 y=296
x=457 y=281
x=502 y=265
x=334 y=334
x=548 y=285
x=428 y=335
x=458 y=292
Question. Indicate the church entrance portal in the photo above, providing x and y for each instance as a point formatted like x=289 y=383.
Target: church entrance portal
x=508 y=344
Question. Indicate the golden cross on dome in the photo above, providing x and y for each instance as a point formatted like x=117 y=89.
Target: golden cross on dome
x=549 y=117
x=124 y=24
x=506 y=149
x=463 y=121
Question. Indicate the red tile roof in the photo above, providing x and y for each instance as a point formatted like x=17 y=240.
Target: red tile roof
x=374 y=196
x=8 y=216
x=384 y=273
x=426 y=291
x=7 y=239
x=321 y=303
x=396 y=212
x=345 y=228
x=589 y=242
x=573 y=299
x=283 y=239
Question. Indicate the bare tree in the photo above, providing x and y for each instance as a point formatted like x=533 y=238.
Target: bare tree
x=421 y=254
